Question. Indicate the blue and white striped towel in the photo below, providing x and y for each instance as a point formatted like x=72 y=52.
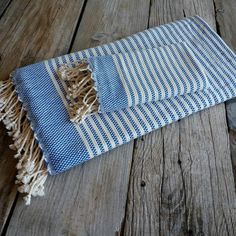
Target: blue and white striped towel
x=146 y=75
x=197 y=70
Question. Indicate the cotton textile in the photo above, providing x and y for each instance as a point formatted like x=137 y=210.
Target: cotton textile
x=139 y=84
x=65 y=144
x=128 y=79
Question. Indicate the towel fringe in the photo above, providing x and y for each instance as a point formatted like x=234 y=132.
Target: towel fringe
x=32 y=172
x=82 y=94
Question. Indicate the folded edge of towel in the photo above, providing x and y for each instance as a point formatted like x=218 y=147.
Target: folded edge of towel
x=114 y=82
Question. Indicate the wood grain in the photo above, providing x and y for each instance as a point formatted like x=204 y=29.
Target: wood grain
x=181 y=177
x=29 y=31
x=7 y=177
x=226 y=18
x=89 y=199
x=179 y=181
x=3 y=6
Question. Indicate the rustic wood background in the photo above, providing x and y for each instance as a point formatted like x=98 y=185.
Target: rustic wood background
x=175 y=181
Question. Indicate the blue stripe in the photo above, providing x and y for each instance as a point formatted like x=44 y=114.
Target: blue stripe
x=66 y=144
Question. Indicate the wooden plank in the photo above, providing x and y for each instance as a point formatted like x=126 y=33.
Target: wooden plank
x=90 y=199
x=181 y=177
x=7 y=178
x=29 y=31
x=3 y=6
x=226 y=17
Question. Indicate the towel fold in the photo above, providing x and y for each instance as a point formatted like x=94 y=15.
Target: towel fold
x=115 y=93
x=113 y=82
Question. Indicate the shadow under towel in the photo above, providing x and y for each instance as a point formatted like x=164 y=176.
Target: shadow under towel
x=64 y=111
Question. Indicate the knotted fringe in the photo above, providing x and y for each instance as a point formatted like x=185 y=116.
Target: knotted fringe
x=32 y=171
x=81 y=94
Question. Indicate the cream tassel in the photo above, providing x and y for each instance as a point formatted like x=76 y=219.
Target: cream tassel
x=82 y=94
x=32 y=172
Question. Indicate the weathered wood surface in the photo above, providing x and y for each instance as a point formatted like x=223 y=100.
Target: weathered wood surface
x=226 y=18
x=3 y=6
x=175 y=181
x=181 y=177
x=90 y=199
x=28 y=33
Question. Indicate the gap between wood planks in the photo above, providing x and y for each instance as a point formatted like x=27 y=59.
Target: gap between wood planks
x=4 y=4
x=225 y=14
x=188 y=227
x=89 y=177
x=77 y=26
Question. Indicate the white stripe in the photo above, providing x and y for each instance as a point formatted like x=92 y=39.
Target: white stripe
x=178 y=106
x=60 y=60
x=114 y=47
x=121 y=126
x=136 y=121
x=80 y=55
x=146 y=72
x=107 y=49
x=136 y=64
x=209 y=35
x=85 y=141
x=212 y=70
x=124 y=82
x=101 y=138
x=127 y=44
x=92 y=138
x=177 y=54
x=167 y=114
x=128 y=122
x=162 y=76
x=145 y=39
x=146 y=122
x=87 y=54
x=171 y=78
x=113 y=127
x=106 y=131
x=148 y=112
x=67 y=58
x=128 y=78
x=171 y=54
x=152 y=38
x=131 y=81
x=150 y=78
x=94 y=52
x=155 y=77
x=139 y=41
x=73 y=57
x=100 y=50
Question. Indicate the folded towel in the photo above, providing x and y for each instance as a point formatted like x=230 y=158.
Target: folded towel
x=138 y=84
x=113 y=82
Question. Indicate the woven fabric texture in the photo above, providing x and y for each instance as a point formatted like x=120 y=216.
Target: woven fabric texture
x=129 y=79
x=66 y=144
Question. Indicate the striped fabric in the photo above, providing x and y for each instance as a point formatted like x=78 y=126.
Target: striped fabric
x=66 y=144
x=137 y=77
